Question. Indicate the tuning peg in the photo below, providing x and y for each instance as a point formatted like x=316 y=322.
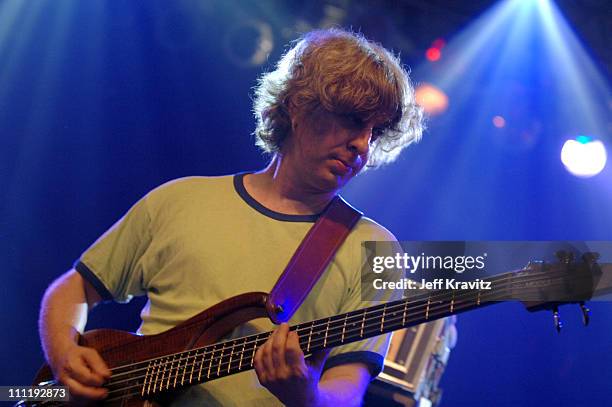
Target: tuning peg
x=586 y=313
x=557 y=319
x=565 y=256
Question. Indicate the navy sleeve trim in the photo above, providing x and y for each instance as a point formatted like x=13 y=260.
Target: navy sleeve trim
x=88 y=275
x=372 y=360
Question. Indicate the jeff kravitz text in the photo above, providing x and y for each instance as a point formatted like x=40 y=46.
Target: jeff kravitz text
x=436 y=284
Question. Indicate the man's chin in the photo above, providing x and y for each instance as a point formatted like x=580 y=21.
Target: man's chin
x=336 y=181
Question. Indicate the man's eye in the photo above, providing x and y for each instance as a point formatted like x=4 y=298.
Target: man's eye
x=377 y=132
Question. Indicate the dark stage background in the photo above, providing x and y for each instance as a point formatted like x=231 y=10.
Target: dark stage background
x=101 y=101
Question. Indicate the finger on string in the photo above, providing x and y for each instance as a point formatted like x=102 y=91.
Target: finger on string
x=259 y=365
x=294 y=355
x=279 y=343
x=267 y=364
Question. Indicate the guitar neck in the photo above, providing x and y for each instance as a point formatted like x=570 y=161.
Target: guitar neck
x=152 y=377
x=380 y=319
x=155 y=376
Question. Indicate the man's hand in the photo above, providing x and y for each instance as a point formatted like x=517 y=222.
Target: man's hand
x=83 y=370
x=282 y=369
x=63 y=314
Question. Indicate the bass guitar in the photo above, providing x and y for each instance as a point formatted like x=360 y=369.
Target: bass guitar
x=145 y=368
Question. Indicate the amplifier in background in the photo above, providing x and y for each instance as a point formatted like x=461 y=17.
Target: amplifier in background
x=414 y=365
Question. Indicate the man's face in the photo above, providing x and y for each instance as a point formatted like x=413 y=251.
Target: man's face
x=326 y=150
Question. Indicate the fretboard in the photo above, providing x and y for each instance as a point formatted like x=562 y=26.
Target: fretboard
x=171 y=372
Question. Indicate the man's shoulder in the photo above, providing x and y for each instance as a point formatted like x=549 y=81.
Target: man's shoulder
x=190 y=184
x=195 y=181
x=368 y=229
x=185 y=191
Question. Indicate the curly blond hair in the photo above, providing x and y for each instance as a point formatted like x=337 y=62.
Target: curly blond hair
x=343 y=73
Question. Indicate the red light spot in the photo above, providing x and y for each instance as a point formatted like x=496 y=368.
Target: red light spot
x=433 y=54
x=499 y=122
x=438 y=43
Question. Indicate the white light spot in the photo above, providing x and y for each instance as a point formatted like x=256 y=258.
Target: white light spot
x=584 y=159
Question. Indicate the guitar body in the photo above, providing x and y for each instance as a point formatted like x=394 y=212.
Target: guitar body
x=119 y=348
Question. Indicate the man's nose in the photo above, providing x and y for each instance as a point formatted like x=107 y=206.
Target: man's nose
x=360 y=142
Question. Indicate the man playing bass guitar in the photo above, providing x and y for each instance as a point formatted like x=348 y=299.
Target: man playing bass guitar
x=335 y=104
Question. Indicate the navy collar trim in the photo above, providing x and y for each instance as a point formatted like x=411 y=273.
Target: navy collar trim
x=242 y=192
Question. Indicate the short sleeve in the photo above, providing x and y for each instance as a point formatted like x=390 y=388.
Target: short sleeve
x=372 y=351
x=113 y=264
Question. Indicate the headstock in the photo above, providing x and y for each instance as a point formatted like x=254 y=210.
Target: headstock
x=546 y=286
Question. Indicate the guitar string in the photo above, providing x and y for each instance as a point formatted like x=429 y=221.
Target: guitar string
x=257 y=342
x=355 y=334
x=322 y=322
x=217 y=366
x=372 y=312
x=169 y=364
x=174 y=378
x=357 y=315
x=415 y=299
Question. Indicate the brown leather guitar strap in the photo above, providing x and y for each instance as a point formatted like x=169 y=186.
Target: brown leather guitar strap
x=310 y=259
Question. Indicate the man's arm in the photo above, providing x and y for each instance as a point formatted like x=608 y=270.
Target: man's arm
x=282 y=369
x=344 y=385
x=63 y=315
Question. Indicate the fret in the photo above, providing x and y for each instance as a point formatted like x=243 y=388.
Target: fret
x=229 y=364
x=254 y=350
x=156 y=375
x=382 y=322
x=212 y=357
x=405 y=310
x=343 y=328
x=365 y=311
x=478 y=299
x=452 y=305
x=242 y=353
x=427 y=310
x=195 y=356
x=172 y=368
x=326 y=331
x=153 y=373
x=163 y=370
x=221 y=358
x=309 y=336
x=169 y=370
x=185 y=367
x=202 y=365
x=144 y=385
